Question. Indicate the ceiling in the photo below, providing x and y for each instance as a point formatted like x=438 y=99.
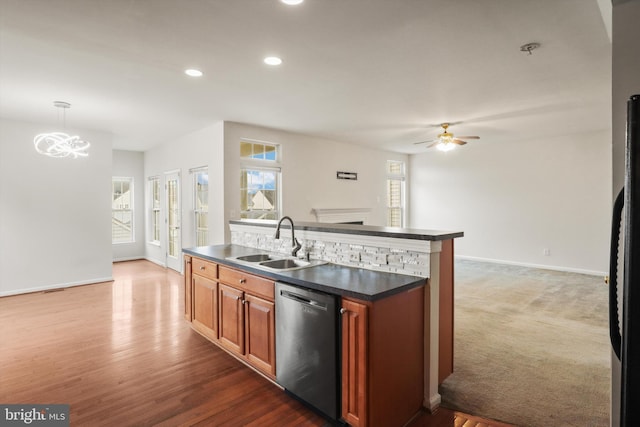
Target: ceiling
x=379 y=73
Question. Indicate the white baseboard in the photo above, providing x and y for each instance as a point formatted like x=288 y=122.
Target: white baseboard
x=133 y=258
x=432 y=402
x=531 y=265
x=161 y=264
x=56 y=286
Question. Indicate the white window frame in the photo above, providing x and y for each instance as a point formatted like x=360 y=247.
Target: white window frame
x=154 y=210
x=200 y=234
x=130 y=209
x=263 y=165
x=401 y=178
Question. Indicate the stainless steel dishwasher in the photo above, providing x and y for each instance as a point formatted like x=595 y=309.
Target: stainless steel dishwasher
x=307 y=346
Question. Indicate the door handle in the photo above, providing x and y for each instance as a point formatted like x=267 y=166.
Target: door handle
x=614 y=327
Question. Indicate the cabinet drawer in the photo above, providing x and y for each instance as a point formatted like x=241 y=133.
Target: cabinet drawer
x=204 y=268
x=253 y=284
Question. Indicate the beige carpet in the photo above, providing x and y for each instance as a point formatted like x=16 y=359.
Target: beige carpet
x=531 y=346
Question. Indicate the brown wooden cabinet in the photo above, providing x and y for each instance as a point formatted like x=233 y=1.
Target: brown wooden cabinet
x=203 y=296
x=231 y=319
x=382 y=342
x=354 y=362
x=205 y=306
x=382 y=359
x=187 y=287
x=247 y=318
x=260 y=337
x=234 y=310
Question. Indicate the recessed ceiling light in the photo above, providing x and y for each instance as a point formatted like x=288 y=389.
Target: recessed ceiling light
x=193 y=72
x=292 y=2
x=272 y=60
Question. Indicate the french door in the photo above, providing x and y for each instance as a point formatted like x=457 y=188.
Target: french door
x=172 y=219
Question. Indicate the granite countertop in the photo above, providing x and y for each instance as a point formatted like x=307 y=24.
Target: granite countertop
x=335 y=279
x=368 y=230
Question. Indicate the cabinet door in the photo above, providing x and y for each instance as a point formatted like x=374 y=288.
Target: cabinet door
x=187 y=288
x=354 y=363
x=231 y=327
x=205 y=306
x=260 y=333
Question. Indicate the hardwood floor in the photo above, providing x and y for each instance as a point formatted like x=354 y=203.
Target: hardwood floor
x=121 y=353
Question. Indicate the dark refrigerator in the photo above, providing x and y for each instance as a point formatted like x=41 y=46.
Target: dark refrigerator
x=624 y=285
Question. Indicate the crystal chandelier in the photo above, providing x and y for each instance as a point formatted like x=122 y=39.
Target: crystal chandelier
x=61 y=144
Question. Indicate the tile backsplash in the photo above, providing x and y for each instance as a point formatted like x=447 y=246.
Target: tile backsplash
x=324 y=246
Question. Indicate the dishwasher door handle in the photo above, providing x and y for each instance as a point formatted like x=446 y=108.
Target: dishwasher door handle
x=303 y=300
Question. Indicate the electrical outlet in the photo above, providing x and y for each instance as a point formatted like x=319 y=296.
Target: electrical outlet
x=546 y=252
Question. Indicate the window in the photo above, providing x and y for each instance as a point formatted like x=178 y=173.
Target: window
x=201 y=205
x=395 y=193
x=259 y=180
x=122 y=210
x=154 y=205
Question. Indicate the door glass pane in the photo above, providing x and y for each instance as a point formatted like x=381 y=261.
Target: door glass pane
x=201 y=207
x=173 y=217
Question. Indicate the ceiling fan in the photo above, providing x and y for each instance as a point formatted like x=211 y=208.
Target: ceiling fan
x=445 y=140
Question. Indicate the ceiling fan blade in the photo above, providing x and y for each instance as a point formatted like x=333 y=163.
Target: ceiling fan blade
x=433 y=145
x=468 y=137
x=424 y=142
x=459 y=141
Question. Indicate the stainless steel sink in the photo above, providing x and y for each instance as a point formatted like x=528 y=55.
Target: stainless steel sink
x=281 y=264
x=274 y=262
x=255 y=258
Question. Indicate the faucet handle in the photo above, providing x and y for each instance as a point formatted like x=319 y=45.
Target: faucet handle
x=296 y=246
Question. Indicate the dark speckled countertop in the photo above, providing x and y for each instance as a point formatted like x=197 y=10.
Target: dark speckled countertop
x=335 y=279
x=364 y=230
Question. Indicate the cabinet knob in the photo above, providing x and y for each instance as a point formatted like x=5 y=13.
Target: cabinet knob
x=202 y=267
x=343 y=310
x=237 y=298
x=243 y=280
x=244 y=301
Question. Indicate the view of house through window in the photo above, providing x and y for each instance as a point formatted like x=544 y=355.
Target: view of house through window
x=154 y=203
x=122 y=210
x=259 y=180
x=201 y=205
x=395 y=193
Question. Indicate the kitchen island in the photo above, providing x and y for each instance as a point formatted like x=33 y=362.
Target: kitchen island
x=388 y=282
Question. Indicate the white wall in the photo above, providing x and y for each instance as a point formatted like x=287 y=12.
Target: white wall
x=513 y=199
x=55 y=214
x=309 y=167
x=200 y=148
x=131 y=164
x=626 y=78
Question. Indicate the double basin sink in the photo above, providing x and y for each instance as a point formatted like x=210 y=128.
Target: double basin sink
x=271 y=262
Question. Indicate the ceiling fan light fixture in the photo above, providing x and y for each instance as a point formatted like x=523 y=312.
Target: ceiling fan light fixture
x=445 y=140
x=445 y=146
x=529 y=47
